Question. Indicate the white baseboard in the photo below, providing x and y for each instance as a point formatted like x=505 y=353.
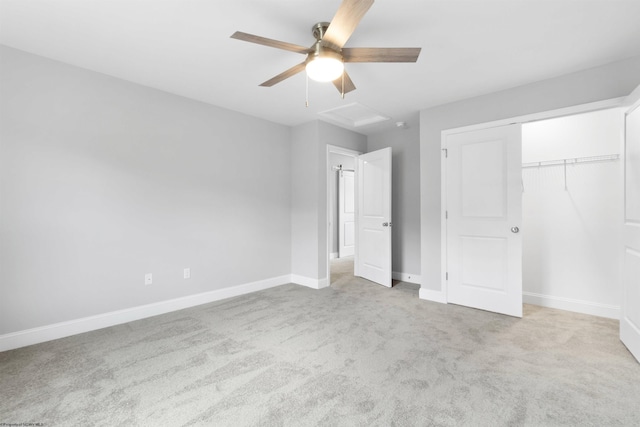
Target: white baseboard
x=569 y=304
x=309 y=282
x=333 y=255
x=92 y=323
x=406 y=277
x=434 y=296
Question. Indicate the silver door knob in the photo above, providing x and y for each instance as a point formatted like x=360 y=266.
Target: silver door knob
x=514 y=229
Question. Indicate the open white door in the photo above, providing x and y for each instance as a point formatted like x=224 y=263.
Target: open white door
x=630 y=316
x=346 y=213
x=483 y=216
x=373 y=239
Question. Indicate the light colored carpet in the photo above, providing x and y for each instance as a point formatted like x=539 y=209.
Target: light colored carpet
x=353 y=354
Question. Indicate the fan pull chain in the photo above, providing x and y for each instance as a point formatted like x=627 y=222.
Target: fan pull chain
x=306 y=101
x=342 y=92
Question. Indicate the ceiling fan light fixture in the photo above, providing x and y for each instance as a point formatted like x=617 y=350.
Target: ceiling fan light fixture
x=324 y=69
x=324 y=64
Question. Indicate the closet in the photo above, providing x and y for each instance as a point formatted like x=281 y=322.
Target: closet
x=572 y=210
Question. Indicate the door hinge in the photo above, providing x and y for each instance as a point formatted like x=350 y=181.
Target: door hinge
x=446 y=152
x=446 y=276
x=446 y=214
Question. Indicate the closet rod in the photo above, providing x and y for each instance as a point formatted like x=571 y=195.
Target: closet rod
x=573 y=161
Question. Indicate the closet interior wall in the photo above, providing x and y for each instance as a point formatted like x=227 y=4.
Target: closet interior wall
x=572 y=215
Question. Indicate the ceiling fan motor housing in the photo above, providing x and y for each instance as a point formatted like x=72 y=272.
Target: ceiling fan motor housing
x=321 y=51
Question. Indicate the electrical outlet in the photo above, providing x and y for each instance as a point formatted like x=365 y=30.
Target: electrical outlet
x=187 y=273
x=148 y=279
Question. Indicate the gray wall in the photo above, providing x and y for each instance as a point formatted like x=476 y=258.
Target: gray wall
x=309 y=193
x=610 y=81
x=102 y=181
x=307 y=180
x=405 y=182
x=305 y=177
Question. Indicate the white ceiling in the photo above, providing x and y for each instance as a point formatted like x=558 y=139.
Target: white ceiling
x=468 y=47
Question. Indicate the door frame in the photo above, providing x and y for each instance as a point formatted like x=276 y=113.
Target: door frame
x=346 y=152
x=442 y=296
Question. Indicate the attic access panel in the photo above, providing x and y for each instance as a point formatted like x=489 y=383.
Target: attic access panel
x=354 y=115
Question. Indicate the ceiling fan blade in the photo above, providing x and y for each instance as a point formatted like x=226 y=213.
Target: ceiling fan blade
x=345 y=22
x=269 y=42
x=381 y=54
x=348 y=83
x=285 y=75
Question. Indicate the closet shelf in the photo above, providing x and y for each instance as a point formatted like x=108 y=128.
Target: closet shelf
x=573 y=161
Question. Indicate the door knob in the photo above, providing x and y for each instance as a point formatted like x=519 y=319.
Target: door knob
x=514 y=229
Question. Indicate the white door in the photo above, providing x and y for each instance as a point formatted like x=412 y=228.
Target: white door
x=484 y=213
x=373 y=239
x=630 y=316
x=346 y=213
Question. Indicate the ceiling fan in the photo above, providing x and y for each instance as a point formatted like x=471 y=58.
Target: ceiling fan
x=326 y=57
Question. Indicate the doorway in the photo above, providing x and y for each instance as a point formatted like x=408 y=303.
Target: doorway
x=572 y=196
x=371 y=213
x=341 y=174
